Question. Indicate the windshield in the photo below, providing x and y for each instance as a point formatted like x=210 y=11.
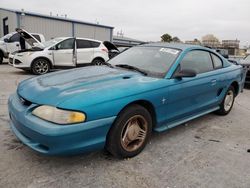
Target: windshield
x=51 y=42
x=152 y=60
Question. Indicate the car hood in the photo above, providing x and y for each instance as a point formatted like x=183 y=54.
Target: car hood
x=244 y=62
x=32 y=41
x=95 y=84
x=33 y=49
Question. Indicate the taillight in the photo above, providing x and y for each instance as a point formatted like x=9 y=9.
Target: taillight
x=105 y=50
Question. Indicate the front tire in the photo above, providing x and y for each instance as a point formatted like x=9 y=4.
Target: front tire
x=227 y=103
x=130 y=132
x=40 y=66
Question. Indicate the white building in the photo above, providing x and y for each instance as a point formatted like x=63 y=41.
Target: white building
x=52 y=26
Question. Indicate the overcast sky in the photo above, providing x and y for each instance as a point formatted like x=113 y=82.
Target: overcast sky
x=148 y=19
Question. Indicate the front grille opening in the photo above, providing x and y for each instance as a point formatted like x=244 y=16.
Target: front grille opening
x=11 y=60
x=17 y=62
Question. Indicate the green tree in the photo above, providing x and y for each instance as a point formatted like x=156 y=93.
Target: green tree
x=166 y=38
x=176 y=39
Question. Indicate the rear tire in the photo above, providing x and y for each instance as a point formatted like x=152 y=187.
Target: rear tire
x=98 y=62
x=40 y=66
x=130 y=133
x=227 y=103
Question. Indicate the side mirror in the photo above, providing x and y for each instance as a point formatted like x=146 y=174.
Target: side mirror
x=6 y=40
x=185 y=73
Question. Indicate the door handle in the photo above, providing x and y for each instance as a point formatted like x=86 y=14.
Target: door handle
x=213 y=82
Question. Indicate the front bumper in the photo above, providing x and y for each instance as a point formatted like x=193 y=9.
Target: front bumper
x=52 y=139
x=21 y=61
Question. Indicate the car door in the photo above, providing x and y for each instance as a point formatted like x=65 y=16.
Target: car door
x=84 y=51
x=191 y=96
x=13 y=43
x=63 y=53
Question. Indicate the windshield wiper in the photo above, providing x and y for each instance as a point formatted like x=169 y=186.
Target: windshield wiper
x=132 y=68
x=108 y=64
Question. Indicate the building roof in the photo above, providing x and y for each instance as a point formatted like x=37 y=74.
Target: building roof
x=121 y=38
x=55 y=18
x=126 y=41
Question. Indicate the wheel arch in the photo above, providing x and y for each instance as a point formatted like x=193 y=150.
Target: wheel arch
x=41 y=57
x=147 y=105
x=101 y=58
x=236 y=87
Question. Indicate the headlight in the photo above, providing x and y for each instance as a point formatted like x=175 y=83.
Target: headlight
x=25 y=53
x=29 y=53
x=58 y=116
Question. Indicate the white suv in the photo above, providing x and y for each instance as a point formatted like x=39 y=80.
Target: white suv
x=63 y=52
x=13 y=42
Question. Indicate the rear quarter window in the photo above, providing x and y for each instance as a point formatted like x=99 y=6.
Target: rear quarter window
x=95 y=44
x=217 y=61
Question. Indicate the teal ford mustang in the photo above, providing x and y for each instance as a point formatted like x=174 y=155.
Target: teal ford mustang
x=151 y=87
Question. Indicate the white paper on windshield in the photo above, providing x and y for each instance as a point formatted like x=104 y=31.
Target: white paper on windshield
x=168 y=50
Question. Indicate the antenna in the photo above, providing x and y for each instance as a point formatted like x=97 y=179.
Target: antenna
x=120 y=33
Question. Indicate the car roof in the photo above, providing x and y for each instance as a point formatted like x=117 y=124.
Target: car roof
x=180 y=46
x=88 y=39
x=63 y=38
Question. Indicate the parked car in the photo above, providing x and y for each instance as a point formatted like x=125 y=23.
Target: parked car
x=246 y=65
x=113 y=50
x=14 y=41
x=223 y=52
x=147 y=88
x=122 y=49
x=62 y=52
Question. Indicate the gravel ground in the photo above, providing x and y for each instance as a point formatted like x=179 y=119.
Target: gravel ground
x=210 y=151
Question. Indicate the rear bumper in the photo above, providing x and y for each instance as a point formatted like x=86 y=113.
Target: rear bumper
x=52 y=139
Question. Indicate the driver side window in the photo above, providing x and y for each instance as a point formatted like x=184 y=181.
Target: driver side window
x=197 y=60
x=66 y=44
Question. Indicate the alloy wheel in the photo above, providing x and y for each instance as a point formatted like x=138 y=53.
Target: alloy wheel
x=134 y=133
x=229 y=100
x=41 y=67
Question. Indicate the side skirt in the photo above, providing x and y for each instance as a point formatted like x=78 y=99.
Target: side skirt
x=71 y=67
x=179 y=122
